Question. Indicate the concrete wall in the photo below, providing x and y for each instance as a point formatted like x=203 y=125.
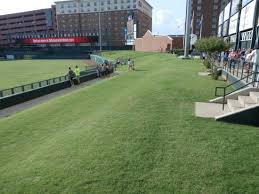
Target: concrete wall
x=151 y=43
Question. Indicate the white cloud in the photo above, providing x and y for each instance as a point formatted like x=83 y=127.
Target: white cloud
x=161 y=16
x=164 y=22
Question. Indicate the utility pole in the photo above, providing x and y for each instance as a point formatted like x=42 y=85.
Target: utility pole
x=100 y=30
x=187 y=29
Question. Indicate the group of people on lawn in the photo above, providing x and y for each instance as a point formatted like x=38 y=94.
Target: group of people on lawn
x=103 y=69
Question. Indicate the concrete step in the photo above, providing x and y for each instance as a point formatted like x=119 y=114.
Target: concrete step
x=234 y=105
x=255 y=96
x=246 y=101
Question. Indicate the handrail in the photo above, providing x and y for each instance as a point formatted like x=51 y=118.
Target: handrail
x=253 y=81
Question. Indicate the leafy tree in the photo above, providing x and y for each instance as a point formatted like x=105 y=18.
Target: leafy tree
x=212 y=45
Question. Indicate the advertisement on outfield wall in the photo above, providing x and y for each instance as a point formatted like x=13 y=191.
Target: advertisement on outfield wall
x=233 y=24
x=74 y=40
x=247 y=15
x=227 y=12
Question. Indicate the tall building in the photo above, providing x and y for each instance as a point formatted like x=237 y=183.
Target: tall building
x=119 y=19
x=26 y=23
x=239 y=23
x=205 y=15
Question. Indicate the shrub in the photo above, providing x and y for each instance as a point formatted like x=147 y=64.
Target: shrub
x=207 y=64
x=179 y=51
x=216 y=74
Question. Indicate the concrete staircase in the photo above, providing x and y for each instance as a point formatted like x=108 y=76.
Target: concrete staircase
x=241 y=108
x=243 y=102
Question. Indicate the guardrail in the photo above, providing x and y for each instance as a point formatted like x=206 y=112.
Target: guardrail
x=100 y=60
x=36 y=85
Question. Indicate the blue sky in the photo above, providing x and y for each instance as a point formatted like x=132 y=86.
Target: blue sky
x=168 y=15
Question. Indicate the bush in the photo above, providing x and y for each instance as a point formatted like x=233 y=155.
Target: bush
x=216 y=74
x=207 y=64
x=179 y=52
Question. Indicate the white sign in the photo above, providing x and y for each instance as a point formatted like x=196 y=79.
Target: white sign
x=247 y=36
x=233 y=24
x=194 y=39
x=227 y=12
x=247 y=15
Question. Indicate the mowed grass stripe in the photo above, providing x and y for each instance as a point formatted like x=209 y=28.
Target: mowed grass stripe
x=135 y=133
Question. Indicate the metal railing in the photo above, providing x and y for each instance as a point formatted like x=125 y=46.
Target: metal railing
x=249 y=76
x=36 y=85
x=44 y=83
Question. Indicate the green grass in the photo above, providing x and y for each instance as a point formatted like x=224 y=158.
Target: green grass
x=134 y=133
x=18 y=72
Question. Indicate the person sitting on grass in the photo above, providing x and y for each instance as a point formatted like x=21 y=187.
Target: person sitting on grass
x=71 y=75
x=77 y=72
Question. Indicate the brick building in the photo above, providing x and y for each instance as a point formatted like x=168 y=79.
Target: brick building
x=209 y=10
x=83 y=16
x=26 y=24
x=153 y=43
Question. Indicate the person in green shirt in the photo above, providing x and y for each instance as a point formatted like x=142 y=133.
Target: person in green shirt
x=77 y=72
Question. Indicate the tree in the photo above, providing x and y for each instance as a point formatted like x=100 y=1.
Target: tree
x=212 y=45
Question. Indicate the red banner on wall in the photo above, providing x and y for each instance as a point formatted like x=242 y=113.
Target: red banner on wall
x=75 y=40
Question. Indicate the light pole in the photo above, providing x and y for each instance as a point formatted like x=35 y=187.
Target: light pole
x=100 y=30
x=187 y=28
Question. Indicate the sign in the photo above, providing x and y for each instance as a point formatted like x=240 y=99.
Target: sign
x=247 y=36
x=233 y=24
x=131 y=31
x=247 y=15
x=194 y=39
x=75 y=40
x=227 y=12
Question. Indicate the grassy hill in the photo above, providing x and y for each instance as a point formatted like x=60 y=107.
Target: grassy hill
x=134 y=133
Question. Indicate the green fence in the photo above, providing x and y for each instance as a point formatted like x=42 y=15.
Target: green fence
x=100 y=60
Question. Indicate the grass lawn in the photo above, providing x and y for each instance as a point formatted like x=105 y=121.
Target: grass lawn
x=134 y=133
x=18 y=72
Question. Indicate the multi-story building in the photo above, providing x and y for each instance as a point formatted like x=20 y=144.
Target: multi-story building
x=205 y=17
x=26 y=23
x=239 y=23
x=82 y=16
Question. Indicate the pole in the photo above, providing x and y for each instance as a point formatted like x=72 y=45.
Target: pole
x=187 y=29
x=201 y=26
x=100 y=30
